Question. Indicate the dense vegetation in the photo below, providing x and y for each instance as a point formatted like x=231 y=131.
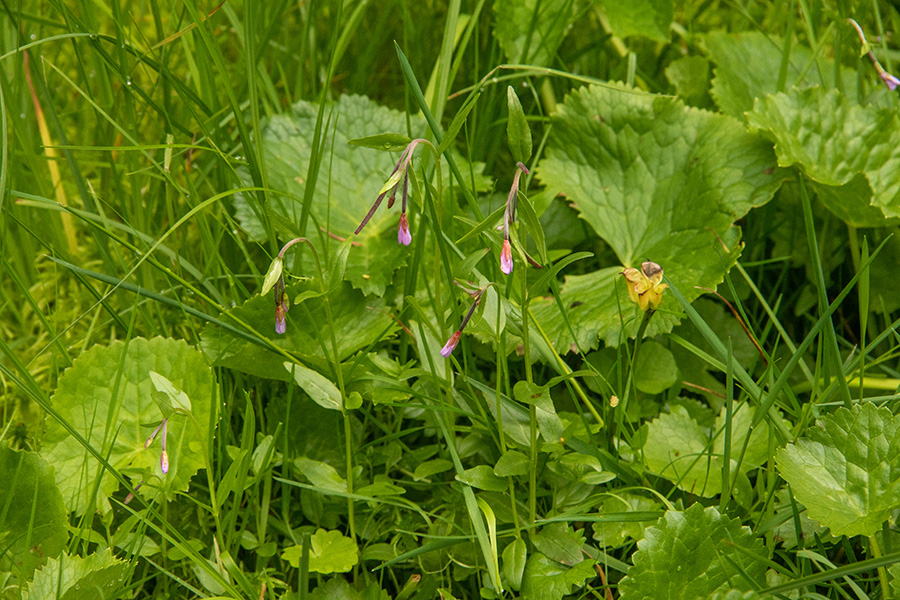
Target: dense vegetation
x=403 y=300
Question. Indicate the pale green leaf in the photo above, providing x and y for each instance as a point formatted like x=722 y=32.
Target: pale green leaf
x=846 y=471
x=329 y=552
x=483 y=478
x=71 y=577
x=178 y=399
x=512 y=463
x=836 y=140
x=514 y=557
x=656 y=181
x=117 y=426
x=614 y=533
x=546 y=579
x=321 y=474
x=32 y=515
x=693 y=554
x=320 y=389
x=276 y=268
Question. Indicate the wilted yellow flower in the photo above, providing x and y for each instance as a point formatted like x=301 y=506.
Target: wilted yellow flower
x=645 y=287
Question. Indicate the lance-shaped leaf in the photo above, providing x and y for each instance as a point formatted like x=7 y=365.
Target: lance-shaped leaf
x=108 y=398
x=32 y=514
x=657 y=181
x=847 y=470
x=693 y=554
x=853 y=151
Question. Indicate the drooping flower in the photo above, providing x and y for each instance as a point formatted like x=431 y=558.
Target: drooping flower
x=281 y=307
x=164 y=458
x=645 y=286
x=506 y=263
x=454 y=339
x=509 y=217
x=399 y=180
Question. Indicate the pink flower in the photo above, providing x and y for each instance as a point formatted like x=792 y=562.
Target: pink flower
x=451 y=344
x=506 y=262
x=280 y=321
x=164 y=459
x=889 y=80
x=403 y=235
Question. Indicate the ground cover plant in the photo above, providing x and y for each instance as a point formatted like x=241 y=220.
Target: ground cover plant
x=408 y=300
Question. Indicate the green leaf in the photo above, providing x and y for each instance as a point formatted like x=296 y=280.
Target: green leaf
x=483 y=478
x=358 y=321
x=847 y=470
x=693 y=554
x=321 y=474
x=117 y=426
x=560 y=543
x=431 y=467
x=748 y=63
x=655 y=370
x=335 y=588
x=276 y=268
x=514 y=556
x=690 y=76
x=458 y=120
x=836 y=141
x=71 y=577
x=549 y=423
x=614 y=533
x=518 y=133
x=329 y=552
x=320 y=389
x=177 y=398
x=657 y=181
x=393 y=142
x=645 y=18
x=546 y=579
x=512 y=463
x=530 y=31
x=32 y=515
x=678 y=449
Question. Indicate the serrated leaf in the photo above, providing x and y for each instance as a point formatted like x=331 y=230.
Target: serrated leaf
x=558 y=542
x=393 y=142
x=546 y=579
x=320 y=388
x=748 y=64
x=358 y=321
x=329 y=552
x=614 y=533
x=693 y=554
x=678 y=449
x=33 y=523
x=483 y=478
x=847 y=470
x=657 y=181
x=518 y=134
x=71 y=577
x=530 y=31
x=836 y=141
x=118 y=427
x=646 y=18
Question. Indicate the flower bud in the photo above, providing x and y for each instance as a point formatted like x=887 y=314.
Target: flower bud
x=506 y=262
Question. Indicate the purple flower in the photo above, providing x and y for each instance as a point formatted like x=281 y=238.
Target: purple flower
x=398 y=182
x=280 y=320
x=403 y=235
x=506 y=262
x=889 y=80
x=451 y=344
x=164 y=458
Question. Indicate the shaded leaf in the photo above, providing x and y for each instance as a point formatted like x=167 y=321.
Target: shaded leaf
x=518 y=133
x=71 y=577
x=118 y=426
x=693 y=554
x=560 y=543
x=33 y=523
x=530 y=31
x=483 y=478
x=610 y=533
x=645 y=18
x=655 y=370
x=847 y=469
x=320 y=389
x=836 y=141
x=546 y=579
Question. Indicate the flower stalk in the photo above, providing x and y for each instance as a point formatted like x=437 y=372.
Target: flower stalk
x=509 y=217
x=889 y=80
x=454 y=339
